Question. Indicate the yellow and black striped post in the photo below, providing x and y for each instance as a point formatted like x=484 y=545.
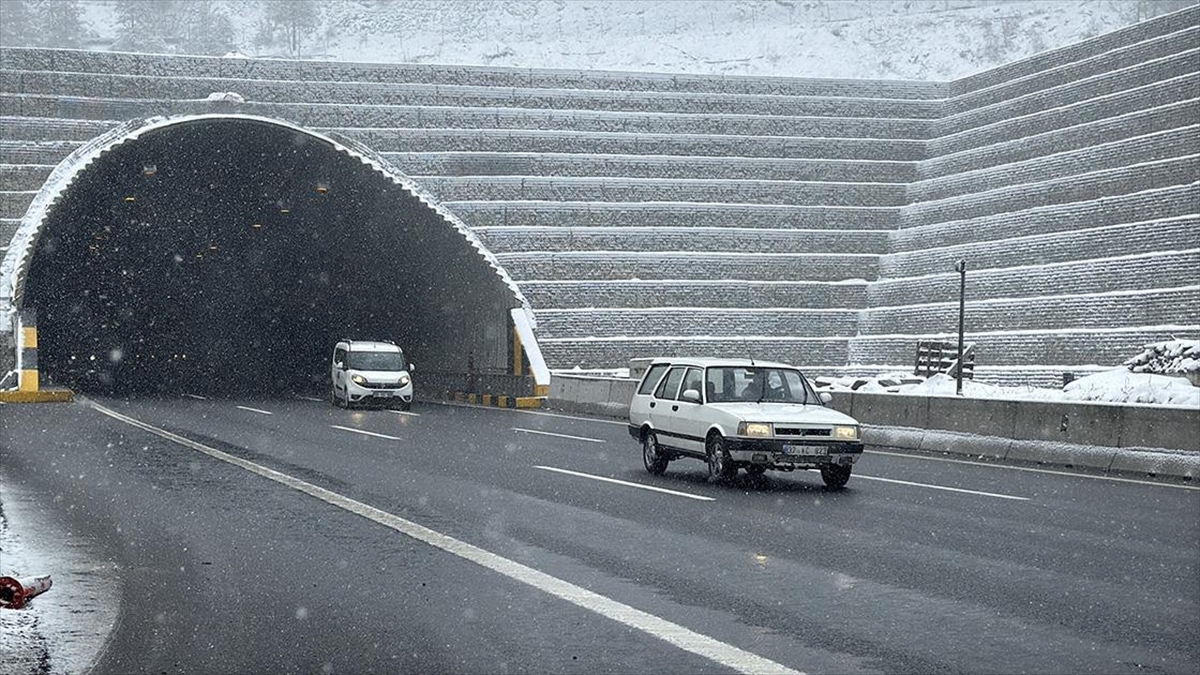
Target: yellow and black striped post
x=27 y=348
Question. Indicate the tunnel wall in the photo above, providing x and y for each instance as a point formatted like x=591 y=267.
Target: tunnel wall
x=1065 y=180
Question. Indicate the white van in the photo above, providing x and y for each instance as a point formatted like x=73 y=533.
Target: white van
x=366 y=373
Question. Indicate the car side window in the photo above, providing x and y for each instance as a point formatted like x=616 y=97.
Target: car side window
x=653 y=377
x=692 y=380
x=670 y=384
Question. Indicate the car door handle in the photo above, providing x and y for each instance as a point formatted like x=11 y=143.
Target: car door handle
x=651 y=404
x=674 y=408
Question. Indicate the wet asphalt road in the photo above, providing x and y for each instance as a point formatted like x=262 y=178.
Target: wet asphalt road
x=920 y=566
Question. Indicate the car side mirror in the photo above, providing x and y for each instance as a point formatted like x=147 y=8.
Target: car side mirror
x=826 y=397
x=412 y=367
x=340 y=365
x=691 y=396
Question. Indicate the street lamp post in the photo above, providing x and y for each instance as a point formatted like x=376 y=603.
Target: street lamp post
x=961 y=268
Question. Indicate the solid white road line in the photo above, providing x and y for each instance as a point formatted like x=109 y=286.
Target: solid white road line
x=547 y=433
x=1032 y=469
x=405 y=413
x=942 y=487
x=265 y=412
x=672 y=633
x=700 y=498
x=198 y=397
x=366 y=433
x=311 y=398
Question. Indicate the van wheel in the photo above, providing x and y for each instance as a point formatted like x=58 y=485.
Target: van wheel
x=405 y=405
x=835 y=477
x=653 y=457
x=720 y=465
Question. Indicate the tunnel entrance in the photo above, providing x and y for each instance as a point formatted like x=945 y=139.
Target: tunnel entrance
x=228 y=255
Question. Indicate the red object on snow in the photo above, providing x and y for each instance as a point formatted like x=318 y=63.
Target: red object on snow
x=14 y=593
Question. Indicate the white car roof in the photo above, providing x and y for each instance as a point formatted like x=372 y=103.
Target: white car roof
x=707 y=362
x=367 y=346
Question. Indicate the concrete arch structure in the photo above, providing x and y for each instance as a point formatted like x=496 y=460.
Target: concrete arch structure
x=445 y=333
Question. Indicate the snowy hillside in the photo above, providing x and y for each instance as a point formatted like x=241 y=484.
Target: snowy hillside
x=907 y=39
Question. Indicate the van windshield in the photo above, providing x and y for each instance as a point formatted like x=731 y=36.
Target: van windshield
x=376 y=361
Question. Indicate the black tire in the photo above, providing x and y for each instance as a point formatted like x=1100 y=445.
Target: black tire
x=654 y=459
x=755 y=469
x=405 y=405
x=835 y=477
x=720 y=464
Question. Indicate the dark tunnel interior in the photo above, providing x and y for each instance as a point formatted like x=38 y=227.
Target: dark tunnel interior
x=227 y=256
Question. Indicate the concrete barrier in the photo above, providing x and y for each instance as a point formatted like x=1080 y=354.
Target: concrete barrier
x=1156 y=440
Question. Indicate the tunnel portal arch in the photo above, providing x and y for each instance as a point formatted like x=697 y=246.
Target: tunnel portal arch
x=227 y=252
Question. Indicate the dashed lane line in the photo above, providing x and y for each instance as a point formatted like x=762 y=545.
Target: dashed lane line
x=941 y=487
x=365 y=432
x=549 y=433
x=263 y=412
x=198 y=397
x=722 y=653
x=605 y=479
x=405 y=413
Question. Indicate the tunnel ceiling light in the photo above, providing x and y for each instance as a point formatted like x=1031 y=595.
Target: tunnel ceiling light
x=130 y=198
x=285 y=210
x=257 y=226
x=149 y=169
x=322 y=188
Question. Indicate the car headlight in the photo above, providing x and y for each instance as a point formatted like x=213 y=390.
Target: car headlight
x=358 y=379
x=761 y=429
x=845 y=433
x=404 y=380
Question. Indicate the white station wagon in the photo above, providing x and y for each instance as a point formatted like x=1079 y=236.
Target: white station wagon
x=740 y=413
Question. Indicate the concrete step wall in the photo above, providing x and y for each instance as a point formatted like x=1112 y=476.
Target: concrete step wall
x=808 y=354
x=515 y=239
x=334 y=71
x=1160 y=145
x=8 y=227
x=1111 y=310
x=1130 y=125
x=672 y=214
x=524 y=188
x=1004 y=127
x=1100 y=65
x=35 y=152
x=618 y=143
x=714 y=294
x=538 y=265
x=695 y=321
x=1139 y=32
x=1067 y=348
x=106 y=85
x=24 y=176
x=1117 y=273
x=46 y=129
x=1146 y=205
x=1053 y=247
x=1081 y=187
x=648 y=166
x=13 y=203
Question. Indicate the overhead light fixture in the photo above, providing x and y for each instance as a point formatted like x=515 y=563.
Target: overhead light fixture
x=257 y=226
x=149 y=169
x=322 y=188
x=130 y=199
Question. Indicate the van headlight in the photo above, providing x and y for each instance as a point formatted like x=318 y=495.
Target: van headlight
x=845 y=433
x=358 y=379
x=757 y=429
x=404 y=380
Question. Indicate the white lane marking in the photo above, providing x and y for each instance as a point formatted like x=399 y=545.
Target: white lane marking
x=548 y=433
x=942 y=487
x=264 y=412
x=365 y=433
x=531 y=412
x=1033 y=470
x=405 y=413
x=672 y=633
x=198 y=397
x=626 y=483
x=311 y=398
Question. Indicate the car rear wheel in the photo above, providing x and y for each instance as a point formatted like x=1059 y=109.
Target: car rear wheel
x=835 y=477
x=720 y=464
x=756 y=469
x=652 y=455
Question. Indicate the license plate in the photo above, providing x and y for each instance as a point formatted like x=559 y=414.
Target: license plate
x=789 y=449
x=382 y=394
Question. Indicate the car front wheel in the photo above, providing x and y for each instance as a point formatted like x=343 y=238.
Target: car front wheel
x=652 y=455
x=835 y=477
x=720 y=464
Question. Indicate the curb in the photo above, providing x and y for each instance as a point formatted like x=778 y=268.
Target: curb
x=1150 y=461
x=497 y=400
x=39 y=396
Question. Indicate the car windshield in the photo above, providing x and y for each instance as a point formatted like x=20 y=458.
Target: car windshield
x=375 y=361
x=758 y=384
